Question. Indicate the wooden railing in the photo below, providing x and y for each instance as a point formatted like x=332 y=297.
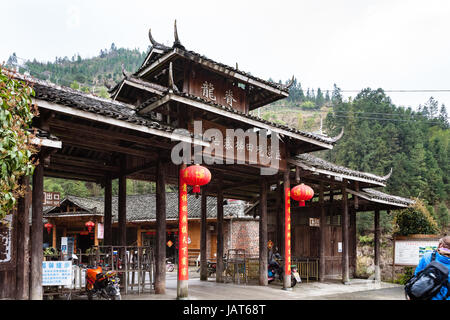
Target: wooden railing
x=307 y=268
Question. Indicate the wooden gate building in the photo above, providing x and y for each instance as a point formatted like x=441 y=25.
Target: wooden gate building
x=156 y=111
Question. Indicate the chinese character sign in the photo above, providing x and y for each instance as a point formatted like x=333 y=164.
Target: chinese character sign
x=183 y=230
x=56 y=273
x=51 y=199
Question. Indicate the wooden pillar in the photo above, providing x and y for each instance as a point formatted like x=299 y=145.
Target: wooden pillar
x=139 y=236
x=377 y=237
x=54 y=236
x=122 y=206
x=183 y=267
x=353 y=238
x=37 y=254
x=96 y=234
x=263 y=281
x=160 y=267
x=323 y=226
x=287 y=232
x=108 y=212
x=23 y=234
x=345 y=235
x=203 y=242
x=220 y=244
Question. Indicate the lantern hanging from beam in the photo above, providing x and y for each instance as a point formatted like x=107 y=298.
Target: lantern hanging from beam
x=89 y=225
x=302 y=193
x=196 y=176
x=48 y=226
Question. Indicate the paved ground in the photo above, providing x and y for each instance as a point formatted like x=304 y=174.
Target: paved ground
x=330 y=290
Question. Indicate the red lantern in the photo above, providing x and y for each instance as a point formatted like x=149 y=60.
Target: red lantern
x=302 y=193
x=196 y=176
x=49 y=227
x=89 y=225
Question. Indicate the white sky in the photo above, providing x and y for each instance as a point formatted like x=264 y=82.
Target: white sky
x=355 y=44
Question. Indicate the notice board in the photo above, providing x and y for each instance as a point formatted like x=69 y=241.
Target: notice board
x=409 y=251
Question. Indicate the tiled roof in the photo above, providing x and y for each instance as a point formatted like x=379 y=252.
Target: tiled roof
x=87 y=102
x=313 y=163
x=143 y=207
x=377 y=196
x=196 y=56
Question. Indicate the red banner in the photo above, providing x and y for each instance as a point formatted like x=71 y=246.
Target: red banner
x=287 y=231
x=183 y=273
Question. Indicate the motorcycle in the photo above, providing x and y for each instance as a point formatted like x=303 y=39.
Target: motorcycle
x=170 y=266
x=102 y=285
x=211 y=267
x=276 y=271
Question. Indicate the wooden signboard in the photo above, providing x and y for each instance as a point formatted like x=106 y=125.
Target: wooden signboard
x=51 y=199
x=210 y=86
x=242 y=149
x=314 y=222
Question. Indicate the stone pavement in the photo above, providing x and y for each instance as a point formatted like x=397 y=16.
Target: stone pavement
x=330 y=290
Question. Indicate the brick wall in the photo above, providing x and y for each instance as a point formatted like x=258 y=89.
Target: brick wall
x=244 y=235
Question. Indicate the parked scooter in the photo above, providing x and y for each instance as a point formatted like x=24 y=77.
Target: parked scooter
x=275 y=271
x=102 y=285
x=211 y=267
x=169 y=266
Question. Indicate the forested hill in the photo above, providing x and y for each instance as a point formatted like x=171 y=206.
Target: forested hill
x=378 y=135
x=88 y=74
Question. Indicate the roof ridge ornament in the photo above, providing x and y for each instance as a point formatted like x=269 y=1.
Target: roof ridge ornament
x=290 y=83
x=172 y=85
x=176 y=43
x=153 y=41
x=339 y=136
x=126 y=74
x=388 y=175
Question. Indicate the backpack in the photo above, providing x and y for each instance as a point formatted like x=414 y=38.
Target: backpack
x=428 y=282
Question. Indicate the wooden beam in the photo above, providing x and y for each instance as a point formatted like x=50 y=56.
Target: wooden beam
x=72 y=127
x=115 y=122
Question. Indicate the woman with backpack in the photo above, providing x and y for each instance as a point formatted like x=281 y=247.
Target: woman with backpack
x=431 y=278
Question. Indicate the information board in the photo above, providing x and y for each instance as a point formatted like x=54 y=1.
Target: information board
x=56 y=273
x=409 y=252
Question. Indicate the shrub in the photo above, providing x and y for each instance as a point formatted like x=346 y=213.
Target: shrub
x=415 y=220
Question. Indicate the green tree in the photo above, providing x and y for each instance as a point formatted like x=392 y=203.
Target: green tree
x=16 y=114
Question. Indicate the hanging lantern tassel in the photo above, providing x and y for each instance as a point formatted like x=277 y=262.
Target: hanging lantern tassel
x=196 y=176
x=302 y=193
